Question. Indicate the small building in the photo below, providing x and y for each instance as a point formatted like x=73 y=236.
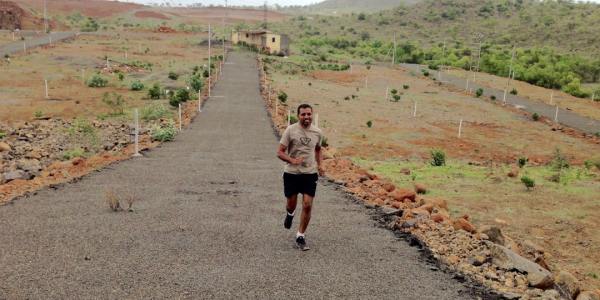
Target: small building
x=263 y=40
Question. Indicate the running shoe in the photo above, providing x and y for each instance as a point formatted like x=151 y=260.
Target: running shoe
x=288 y=221
x=301 y=243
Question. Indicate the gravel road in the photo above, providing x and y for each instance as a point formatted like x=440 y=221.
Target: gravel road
x=566 y=117
x=208 y=225
x=17 y=46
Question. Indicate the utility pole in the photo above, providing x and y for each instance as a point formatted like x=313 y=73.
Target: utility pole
x=45 y=16
x=394 y=54
x=209 y=58
x=265 y=15
x=224 y=31
x=478 y=60
x=510 y=70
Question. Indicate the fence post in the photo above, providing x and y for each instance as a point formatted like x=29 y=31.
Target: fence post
x=180 y=121
x=460 y=128
x=137 y=134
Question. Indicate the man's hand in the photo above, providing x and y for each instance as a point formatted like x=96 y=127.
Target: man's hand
x=296 y=161
x=321 y=171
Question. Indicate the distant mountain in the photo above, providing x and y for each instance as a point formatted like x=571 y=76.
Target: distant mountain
x=347 y=6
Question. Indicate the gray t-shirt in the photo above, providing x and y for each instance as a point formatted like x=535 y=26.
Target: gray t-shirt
x=301 y=142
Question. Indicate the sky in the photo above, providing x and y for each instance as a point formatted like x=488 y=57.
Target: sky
x=241 y=2
x=231 y=2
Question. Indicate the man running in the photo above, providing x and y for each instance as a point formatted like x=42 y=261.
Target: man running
x=300 y=148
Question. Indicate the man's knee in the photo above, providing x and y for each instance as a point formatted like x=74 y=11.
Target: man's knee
x=307 y=202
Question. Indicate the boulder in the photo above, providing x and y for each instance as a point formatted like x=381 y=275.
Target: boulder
x=439 y=218
x=420 y=188
x=567 y=284
x=14 y=175
x=494 y=234
x=388 y=187
x=401 y=194
x=462 y=223
x=32 y=166
x=588 y=295
x=513 y=173
x=4 y=147
x=436 y=202
x=507 y=259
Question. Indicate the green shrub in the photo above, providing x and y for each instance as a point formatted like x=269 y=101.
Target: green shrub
x=406 y=86
x=97 y=81
x=293 y=119
x=154 y=92
x=559 y=161
x=173 y=75
x=155 y=112
x=493 y=97
x=394 y=91
x=361 y=16
x=478 y=92
x=81 y=131
x=90 y=25
x=282 y=96
x=396 y=98
x=38 y=114
x=347 y=98
x=70 y=154
x=137 y=86
x=513 y=91
x=522 y=161
x=2 y=134
x=115 y=103
x=164 y=133
x=528 y=182
x=121 y=76
x=438 y=158
x=196 y=83
x=369 y=123
x=181 y=95
x=535 y=116
x=324 y=142
x=205 y=73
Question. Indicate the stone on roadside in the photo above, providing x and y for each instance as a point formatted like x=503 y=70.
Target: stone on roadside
x=5 y=147
x=15 y=175
x=513 y=173
x=463 y=224
x=401 y=194
x=420 y=188
x=439 y=218
x=507 y=259
x=567 y=284
x=588 y=295
x=388 y=187
x=494 y=234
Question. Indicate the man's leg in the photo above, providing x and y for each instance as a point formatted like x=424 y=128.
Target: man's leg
x=292 y=201
x=290 y=208
x=307 y=201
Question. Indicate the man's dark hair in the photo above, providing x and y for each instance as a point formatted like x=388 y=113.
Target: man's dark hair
x=303 y=106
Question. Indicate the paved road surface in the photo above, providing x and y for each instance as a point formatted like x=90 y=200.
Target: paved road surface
x=14 y=47
x=565 y=117
x=208 y=225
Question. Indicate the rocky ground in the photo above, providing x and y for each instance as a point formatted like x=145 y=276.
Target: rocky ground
x=515 y=269
x=27 y=149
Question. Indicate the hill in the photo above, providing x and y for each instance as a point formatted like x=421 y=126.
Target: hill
x=346 y=6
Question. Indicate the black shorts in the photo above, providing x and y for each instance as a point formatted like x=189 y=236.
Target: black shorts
x=294 y=184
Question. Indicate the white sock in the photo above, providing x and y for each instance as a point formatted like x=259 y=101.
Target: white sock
x=292 y=214
x=298 y=234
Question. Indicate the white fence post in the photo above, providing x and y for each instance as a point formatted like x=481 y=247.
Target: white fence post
x=137 y=134
x=289 y=117
x=46 y=84
x=556 y=115
x=415 y=110
x=200 y=100
x=460 y=128
x=180 y=121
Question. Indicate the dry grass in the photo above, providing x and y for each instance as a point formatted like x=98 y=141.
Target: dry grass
x=113 y=201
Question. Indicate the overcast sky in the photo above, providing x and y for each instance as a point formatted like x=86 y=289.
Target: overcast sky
x=231 y=2
x=238 y=2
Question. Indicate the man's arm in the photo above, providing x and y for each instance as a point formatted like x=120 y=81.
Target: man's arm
x=319 y=159
x=281 y=153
